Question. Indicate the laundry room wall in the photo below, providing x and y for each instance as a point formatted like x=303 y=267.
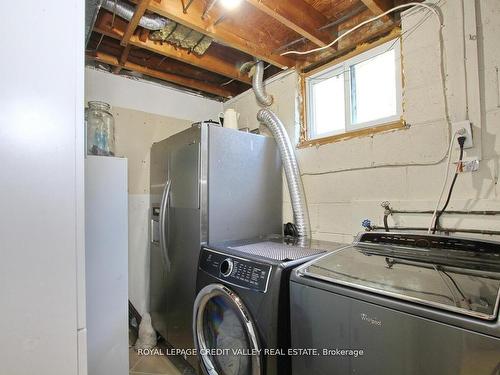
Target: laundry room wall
x=144 y=114
x=346 y=181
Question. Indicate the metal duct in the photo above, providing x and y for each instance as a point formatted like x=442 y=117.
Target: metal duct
x=126 y=11
x=91 y=10
x=292 y=172
x=263 y=98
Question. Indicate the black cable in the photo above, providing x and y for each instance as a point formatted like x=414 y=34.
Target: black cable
x=461 y=141
x=386 y=225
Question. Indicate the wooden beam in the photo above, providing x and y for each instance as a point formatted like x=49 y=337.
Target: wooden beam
x=379 y=6
x=123 y=59
x=124 y=56
x=142 y=5
x=298 y=16
x=144 y=35
x=259 y=45
x=208 y=61
x=173 y=78
x=358 y=45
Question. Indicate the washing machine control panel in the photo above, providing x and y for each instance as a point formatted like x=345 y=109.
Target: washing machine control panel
x=235 y=271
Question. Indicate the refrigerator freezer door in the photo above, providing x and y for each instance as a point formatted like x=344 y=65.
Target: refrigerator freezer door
x=173 y=264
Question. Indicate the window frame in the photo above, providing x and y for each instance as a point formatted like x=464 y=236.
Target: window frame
x=344 y=67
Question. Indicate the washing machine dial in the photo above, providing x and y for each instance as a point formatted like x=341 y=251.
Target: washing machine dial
x=226 y=267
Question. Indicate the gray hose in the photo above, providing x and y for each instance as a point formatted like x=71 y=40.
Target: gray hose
x=126 y=11
x=291 y=167
x=263 y=98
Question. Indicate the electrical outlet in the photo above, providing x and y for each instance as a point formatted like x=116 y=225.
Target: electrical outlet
x=456 y=126
x=471 y=165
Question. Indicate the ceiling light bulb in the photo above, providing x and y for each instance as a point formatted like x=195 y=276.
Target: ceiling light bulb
x=230 y=4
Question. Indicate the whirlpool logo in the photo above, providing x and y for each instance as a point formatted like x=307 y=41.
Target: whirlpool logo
x=372 y=321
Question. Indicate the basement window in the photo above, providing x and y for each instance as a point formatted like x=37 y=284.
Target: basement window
x=362 y=92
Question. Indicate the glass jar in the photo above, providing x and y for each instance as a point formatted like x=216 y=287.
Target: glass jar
x=100 y=129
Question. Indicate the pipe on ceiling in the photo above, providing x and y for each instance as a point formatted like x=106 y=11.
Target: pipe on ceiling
x=126 y=11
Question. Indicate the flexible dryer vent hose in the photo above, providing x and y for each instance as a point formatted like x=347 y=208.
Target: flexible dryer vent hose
x=291 y=167
x=262 y=96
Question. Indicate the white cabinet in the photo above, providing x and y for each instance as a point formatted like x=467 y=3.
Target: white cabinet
x=106 y=265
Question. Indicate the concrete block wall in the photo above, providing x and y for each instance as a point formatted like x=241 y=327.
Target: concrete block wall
x=346 y=181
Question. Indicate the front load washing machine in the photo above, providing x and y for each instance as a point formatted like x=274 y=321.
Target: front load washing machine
x=241 y=320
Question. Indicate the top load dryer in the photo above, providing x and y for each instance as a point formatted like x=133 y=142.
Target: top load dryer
x=405 y=304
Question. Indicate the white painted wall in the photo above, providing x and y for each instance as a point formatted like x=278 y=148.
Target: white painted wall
x=124 y=92
x=42 y=324
x=346 y=181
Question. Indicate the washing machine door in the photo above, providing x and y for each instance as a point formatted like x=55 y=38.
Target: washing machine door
x=225 y=335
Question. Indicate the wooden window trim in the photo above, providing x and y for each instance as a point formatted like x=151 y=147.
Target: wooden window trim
x=365 y=132
x=369 y=131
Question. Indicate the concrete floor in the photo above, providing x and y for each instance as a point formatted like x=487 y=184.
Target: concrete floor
x=155 y=364
x=150 y=364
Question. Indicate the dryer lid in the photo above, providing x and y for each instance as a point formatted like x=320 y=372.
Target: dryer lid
x=463 y=277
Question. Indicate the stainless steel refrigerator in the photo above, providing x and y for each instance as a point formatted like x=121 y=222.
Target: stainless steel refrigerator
x=208 y=184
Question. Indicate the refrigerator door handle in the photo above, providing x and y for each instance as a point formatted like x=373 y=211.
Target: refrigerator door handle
x=165 y=199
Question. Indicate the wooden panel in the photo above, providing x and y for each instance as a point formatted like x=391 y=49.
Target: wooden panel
x=132 y=25
x=183 y=81
x=297 y=15
x=208 y=61
x=248 y=40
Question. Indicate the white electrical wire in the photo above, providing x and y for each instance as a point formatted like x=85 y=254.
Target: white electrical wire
x=408 y=5
x=445 y=182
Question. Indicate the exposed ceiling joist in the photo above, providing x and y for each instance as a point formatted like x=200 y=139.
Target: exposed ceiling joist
x=173 y=78
x=298 y=16
x=208 y=61
x=362 y=41
x=232 y=37
x=261 y=29
x=141 y=8
x=123 y=59
x=379 y=6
